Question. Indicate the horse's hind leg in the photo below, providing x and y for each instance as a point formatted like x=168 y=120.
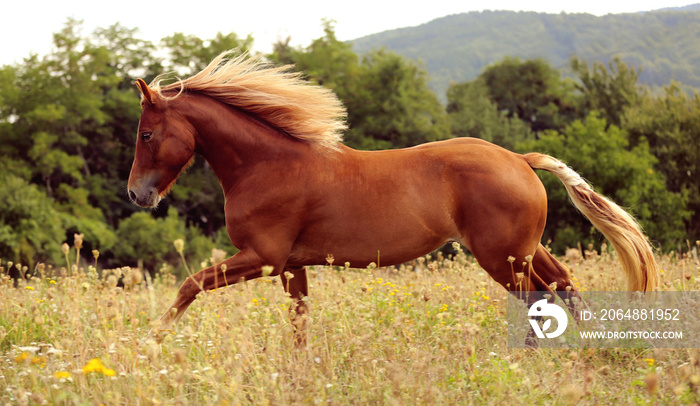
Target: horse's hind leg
x=295 y=283
x=543 y=273
x=557 y=276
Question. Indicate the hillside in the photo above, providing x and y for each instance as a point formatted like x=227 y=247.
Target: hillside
x=456 y=48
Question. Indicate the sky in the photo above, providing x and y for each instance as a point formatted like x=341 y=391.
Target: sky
x=27 y=26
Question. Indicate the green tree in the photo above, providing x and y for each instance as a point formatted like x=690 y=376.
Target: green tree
x=608 y=89
x=283 y=53
x=188 y=54
x=671 y=124
x=79 y=216
x=28 y=228
x=473 y=114
x=532 y=91
x=67 y=124
x=396 y=108
x=623 y=173
x=70 y=117
x=329 y=62
x=145 y=238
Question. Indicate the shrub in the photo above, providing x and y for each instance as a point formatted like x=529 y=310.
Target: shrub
x=29 y=229
x=143 y=237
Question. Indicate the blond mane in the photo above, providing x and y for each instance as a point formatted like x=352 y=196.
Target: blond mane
x=274 y=94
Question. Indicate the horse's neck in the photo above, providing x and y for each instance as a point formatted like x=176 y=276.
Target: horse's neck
x=232 y=140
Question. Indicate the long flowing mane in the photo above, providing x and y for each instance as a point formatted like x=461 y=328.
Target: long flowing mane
x=274 y=94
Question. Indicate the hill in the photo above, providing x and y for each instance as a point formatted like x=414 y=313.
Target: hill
x=456 y=48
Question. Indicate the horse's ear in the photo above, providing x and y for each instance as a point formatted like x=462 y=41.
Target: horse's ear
x=146 y=91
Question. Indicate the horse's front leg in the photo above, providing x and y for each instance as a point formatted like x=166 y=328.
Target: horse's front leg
x=245 y=265
x=295 y=283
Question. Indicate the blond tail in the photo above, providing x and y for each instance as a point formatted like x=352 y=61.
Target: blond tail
x=615 y=223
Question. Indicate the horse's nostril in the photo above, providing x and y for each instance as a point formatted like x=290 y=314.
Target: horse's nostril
x=132 y=195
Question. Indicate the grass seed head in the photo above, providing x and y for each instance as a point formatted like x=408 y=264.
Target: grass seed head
x=112 y=281
x=652 y=382
x=571 y=394
x=78 y=241
x=180 y=355
x=217 y=256
x=267 y=270
x=179 y=245
x=135 y=276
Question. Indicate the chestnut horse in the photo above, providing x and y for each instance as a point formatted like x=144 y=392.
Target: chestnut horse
x=295 y=194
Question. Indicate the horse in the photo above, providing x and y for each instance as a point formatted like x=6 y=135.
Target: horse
x=295 y=194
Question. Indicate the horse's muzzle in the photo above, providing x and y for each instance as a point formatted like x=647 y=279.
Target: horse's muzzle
x=144 y=196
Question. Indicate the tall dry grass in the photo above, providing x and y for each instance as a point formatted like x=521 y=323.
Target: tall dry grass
x=434 y=333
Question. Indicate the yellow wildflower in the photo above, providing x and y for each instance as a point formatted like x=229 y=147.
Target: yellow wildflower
x=62 y=375
x=95 y=365
x=22 y=357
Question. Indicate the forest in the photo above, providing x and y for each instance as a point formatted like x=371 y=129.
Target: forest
x=68 y=124
x=458 y=47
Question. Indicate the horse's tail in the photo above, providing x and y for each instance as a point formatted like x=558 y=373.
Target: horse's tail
x=623 y=231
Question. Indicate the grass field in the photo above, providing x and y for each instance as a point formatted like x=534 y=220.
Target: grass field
x=376 y=336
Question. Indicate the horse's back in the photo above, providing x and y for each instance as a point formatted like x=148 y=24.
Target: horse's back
x=472 y=170
x=475 y=160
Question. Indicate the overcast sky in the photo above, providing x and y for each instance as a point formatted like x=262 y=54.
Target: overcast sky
x=27 y=26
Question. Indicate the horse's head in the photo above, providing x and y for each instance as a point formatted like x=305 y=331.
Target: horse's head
x=165 y=145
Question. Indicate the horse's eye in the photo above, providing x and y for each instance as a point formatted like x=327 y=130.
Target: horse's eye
x=146 y=136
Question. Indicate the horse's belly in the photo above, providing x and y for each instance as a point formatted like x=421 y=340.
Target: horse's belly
x=385 y=238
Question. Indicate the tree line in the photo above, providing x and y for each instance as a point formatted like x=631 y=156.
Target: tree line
x=458 y=47
x=68 y=122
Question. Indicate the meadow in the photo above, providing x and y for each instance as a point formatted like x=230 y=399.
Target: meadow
x=430 y=332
